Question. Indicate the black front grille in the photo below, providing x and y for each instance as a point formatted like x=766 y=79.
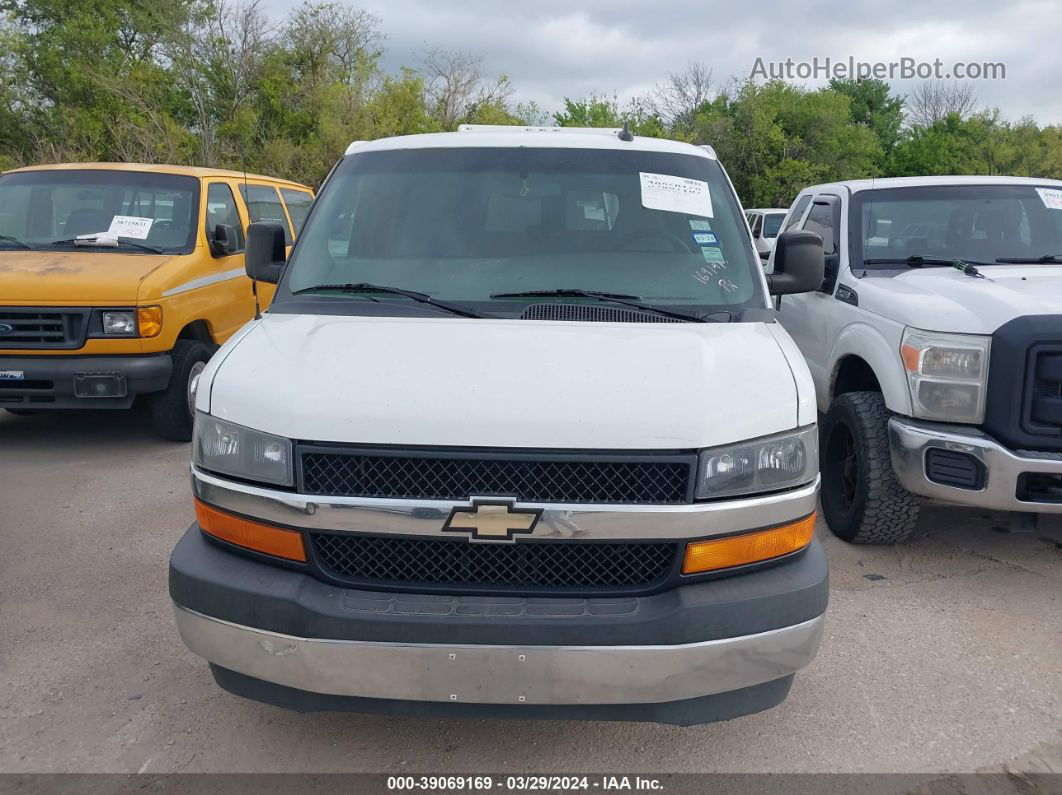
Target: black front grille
x=1023 y=409
x=34 y=327
x=593 y=313
x=652 y=479
x=460 y=564
x=1044 y=408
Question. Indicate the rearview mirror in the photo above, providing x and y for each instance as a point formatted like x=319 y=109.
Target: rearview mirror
x=264 y=258
x=223 y=243
x=799 y=263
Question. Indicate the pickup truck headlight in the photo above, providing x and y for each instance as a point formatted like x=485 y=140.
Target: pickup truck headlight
x=771 y=464
x=232 y=449
x=947 y=374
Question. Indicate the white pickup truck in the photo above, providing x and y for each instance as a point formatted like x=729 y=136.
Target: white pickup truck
x=935 y=344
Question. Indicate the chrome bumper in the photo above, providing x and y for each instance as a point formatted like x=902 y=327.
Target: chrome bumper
x=503 y=674
x=910 y=440
x=427 y=517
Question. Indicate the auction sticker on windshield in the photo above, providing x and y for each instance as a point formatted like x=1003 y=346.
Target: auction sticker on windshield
x=130 y=226
x=675 y=194
x=1052 y=199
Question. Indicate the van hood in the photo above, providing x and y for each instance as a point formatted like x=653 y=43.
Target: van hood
x=504 y=383
x=944 y=299
x=73 y=278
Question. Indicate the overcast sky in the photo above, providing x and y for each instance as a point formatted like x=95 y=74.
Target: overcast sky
x=551 y=49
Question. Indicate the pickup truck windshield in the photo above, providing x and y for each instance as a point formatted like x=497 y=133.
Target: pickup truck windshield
x=466 y=224
x=146 y=212
x=976 y=223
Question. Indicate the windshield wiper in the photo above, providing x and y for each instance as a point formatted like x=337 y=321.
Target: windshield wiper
x=1044 y=260
x=365 y=287
x=17 y=242
x=615 y=298
x=106 y=243
x=918 y=261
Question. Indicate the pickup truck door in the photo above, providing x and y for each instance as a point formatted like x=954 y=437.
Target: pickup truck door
x=811 y=318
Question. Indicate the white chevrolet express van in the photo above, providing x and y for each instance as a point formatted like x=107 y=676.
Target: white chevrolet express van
x=519 y=436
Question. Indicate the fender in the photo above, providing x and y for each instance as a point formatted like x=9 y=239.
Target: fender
x=869 y=344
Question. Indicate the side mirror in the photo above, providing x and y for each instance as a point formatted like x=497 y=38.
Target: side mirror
x=264 y=257
x=799 y=263
x=765 y=255
x=224 y=242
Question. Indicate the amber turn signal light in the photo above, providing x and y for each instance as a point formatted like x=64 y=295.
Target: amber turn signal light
x=275 y=541
x=149 y=321
x=724 y=553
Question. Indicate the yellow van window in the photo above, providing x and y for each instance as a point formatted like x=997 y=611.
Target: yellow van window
x=221 y=209
x=48 y=208
x=263 y=204
x=298 y=202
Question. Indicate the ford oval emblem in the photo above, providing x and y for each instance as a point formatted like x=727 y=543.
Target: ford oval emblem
x=6 y=329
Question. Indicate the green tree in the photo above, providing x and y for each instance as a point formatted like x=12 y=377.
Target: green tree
x=874 y=106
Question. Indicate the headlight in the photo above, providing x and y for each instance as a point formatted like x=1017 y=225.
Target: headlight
x=231 y=449
x=947 y=374
x=771 y=464
x=120 y=323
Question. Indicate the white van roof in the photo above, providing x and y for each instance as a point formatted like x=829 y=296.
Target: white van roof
x=495 y=135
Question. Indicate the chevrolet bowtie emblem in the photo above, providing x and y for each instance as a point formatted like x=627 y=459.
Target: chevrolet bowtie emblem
x=490 y=519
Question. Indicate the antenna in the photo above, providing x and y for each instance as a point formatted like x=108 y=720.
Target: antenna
x=625 y=134
x=254 y=279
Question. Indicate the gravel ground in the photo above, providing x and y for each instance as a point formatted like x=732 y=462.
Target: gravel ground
x=942 y=655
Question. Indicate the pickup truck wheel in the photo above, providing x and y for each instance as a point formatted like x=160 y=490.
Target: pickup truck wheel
x=862 y=501
x=170 y=412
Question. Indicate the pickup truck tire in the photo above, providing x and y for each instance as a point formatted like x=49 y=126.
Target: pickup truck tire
x=862 y=501
x=170 y=413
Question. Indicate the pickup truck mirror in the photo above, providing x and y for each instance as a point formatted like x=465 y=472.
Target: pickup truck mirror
x=799 y=264
x=264 y=258
x=223 y=242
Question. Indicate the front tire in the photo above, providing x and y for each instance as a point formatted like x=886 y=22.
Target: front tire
x=862 y=501
x=170 y=412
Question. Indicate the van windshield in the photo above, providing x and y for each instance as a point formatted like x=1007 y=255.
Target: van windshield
x=46 y=209
x=464 y=224
x=772 y=222
x=979 y=223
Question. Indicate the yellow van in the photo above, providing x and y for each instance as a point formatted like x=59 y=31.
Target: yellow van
x=118 y=280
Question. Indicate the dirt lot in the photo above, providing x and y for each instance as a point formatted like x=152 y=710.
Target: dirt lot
x=943 y=655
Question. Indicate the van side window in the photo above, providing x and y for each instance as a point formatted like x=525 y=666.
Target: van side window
x=263 y=204
x=757 y=221
x=820 y=221
x=797 y=212
x=221 y=209
x=298 y=202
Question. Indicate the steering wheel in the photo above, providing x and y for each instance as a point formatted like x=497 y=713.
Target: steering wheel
x=678 y=244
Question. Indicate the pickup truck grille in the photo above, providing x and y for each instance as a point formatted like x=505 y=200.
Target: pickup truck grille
x=458 y=564
x=557 y=477
x=1044 y=408
x=40 y=327
x=1024 y=406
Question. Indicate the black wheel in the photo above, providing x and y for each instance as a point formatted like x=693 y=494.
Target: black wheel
x=171 y=413
x=862 y=501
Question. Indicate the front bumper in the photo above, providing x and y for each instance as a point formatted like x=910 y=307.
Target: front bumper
x=1004 y=469
x=48 y=382
x=698 y=652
